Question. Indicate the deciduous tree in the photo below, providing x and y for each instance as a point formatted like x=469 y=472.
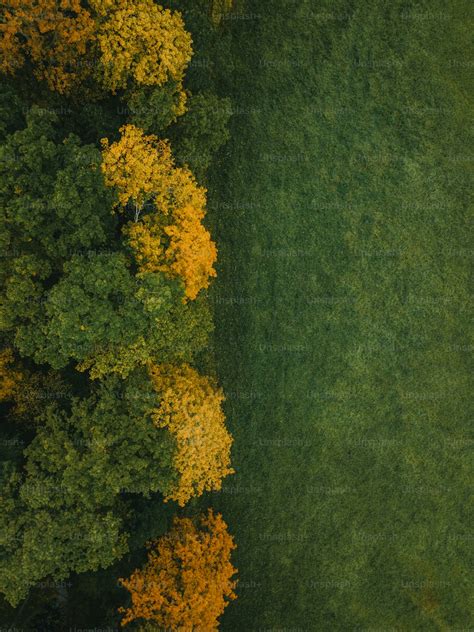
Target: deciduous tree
x=140 y=43
x=53 y=198
x=191 y=409
x=64 y=512
x=188 y=579
x=53 y=34
x=10 y=376
x=108 y=320
x=171 y=237
x=202 y=130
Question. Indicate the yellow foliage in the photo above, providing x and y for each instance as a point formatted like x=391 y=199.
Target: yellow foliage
x=141 y=41
x=187 y=580
x=191 y=254
x=53 y=34
x=135 y=165
x=172 y=238
x=191 y=410
x=136 y=41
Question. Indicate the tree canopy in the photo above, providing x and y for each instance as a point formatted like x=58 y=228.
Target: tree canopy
x=188 y=579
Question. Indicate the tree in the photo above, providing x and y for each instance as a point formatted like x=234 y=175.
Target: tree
x=136 y=166
x=154 y=108
x=106 y=319
x=190 y=408
x=187 y=582
x=180 y=246
x=10 y=377
x=28 y=389
x=191 y=253
x=52 y=194
x=64 y=513
x=12 y=108
x=54 y=36
x=140 y=43
x=202 y=130
x=171 y=238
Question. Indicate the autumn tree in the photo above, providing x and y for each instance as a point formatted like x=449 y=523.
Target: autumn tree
x=137 y=167
x=191 y=409
x=187 y=581
x=140 y=43
x=28 y=390
x=53 y=35
x=171 y=237
x=10 y=377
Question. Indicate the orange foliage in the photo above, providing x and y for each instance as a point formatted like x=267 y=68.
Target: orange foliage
x=53 y=34
x=10 y=378
x=191 y=410
x=171 y=238
x=187 y=581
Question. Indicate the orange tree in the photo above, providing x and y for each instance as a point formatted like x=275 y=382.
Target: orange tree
x=190 y=408
x=187 y=582
x=54 y=35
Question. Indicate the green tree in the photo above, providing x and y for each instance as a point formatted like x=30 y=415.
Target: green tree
x=64 y=513
x=52 y=194
x=154 y=109
x=104 y=317
x=199 y=134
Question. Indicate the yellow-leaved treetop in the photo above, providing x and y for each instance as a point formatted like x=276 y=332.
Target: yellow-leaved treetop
x=191 y=409
x=127 y=43
x=187 y=581
x=140 y=42
x=53 y=34
x=136 y=166
x=170 y=237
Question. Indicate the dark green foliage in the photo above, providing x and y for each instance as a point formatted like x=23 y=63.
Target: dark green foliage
x=101 y=314
x=153 y=109
x=12 y=109
x=200 y=132
x=65 y=514
x=53 y=198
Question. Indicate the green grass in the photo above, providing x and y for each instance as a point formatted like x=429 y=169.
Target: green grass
x=344 y=335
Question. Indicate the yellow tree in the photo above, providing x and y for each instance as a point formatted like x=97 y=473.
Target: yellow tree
x=53 y=34
x=187 y=582
x=180 y=247
x=191 y=409
x=171 y=238
x=136 y=166
x=141 y=43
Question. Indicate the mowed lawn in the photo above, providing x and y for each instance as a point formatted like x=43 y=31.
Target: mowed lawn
x=343 y=314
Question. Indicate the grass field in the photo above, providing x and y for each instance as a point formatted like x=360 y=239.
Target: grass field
x=343 y=308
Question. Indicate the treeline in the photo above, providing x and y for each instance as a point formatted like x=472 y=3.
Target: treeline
x=105 y=316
